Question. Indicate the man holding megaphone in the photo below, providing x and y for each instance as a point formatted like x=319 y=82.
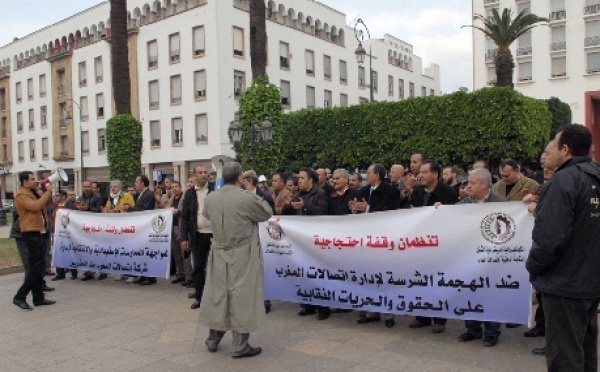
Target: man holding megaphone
x=33 y=222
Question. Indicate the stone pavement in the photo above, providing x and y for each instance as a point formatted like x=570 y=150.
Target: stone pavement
x=113 y=326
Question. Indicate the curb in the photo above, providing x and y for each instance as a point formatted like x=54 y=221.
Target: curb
x=11 y=270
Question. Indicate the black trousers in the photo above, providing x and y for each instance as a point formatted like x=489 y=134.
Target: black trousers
x=200 y=251
x=62 y=272
x=540 y=320
x=34 y=279
x=571 y=333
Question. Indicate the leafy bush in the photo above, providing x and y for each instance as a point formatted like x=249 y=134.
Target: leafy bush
x=561 y=114
x=124 y=143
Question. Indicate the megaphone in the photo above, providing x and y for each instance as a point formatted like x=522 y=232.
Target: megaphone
x=59 y=175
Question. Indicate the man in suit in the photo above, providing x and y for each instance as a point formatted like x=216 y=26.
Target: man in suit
x=250 y=183
x=513 y=183
x=145 y=202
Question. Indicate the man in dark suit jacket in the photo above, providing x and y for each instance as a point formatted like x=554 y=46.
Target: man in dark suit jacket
x=145 y=202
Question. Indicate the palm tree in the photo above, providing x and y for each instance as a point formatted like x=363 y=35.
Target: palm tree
x=120 y=63
x=504 y=30
x=258 y=38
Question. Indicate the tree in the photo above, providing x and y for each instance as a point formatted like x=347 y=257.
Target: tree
x=258 y=38
x=120 y=63
x=504 y=30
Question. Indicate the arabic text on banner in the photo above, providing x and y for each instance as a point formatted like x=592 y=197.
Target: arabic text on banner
x=462 y=261
x=120 y=243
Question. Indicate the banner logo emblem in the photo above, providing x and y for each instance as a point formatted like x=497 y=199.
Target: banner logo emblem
x=275 y=231
x=498 y=228
x=159 y=223
x=64 y=220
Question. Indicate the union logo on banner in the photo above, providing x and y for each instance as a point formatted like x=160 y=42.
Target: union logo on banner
x=498 y=228
x=159 y=223
x=275 y=231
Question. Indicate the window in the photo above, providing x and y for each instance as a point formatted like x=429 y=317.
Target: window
x=19 y=121
x=375 y=81
x=155 y=134
x=98 y=69
x=592 y=33
x=328 y=98
x=198 y=40
x=100 y=106
x=327 y=67
x=3 y=128
x=390 y=85
x=284 y=55
x=491 y=74
x=201 y=128
x=559 y=66
x=593 y=62
x=200 y=85
x=524 y=6
x=175 y=90
x=153 y=94
x=309 y=57
x=31 y=149
x=559 y=38
x=310 y=97
x=525 y=71
x=43 y=114
x=5 y=152
x=64 y=146
x=431 y=92
x=31 y=120
x=174 y=48
x=45 y=148
x=62 y=88
x=177 y=124
x=362 y=100
x=239 y=83
x=152 y=54
x=18 y=92
x=21 y=151
x=43 y=85
x=83 y=109
x=238 y=42
x=361 y=77
x=62 y=110
x=285 y=93
x=101 y=140
x=343 y=100
x=82 y=75
x=30 y=89
x=411 y=90
x=401 y=88
x=343 y=72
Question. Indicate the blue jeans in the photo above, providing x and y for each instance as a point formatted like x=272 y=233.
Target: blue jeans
x=490 y=329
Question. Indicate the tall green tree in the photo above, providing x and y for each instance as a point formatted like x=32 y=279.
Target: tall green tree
x=503 y=29
x=258 y=38
x=120 y=63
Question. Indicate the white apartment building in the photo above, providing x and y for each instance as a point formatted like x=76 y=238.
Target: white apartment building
x=560 y=59
x=189 y=64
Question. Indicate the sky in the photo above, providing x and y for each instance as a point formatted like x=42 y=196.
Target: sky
x=433 y=27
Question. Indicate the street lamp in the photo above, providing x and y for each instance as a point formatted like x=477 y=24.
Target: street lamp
x=68 y=120
x=360 y=28
x=257 y=133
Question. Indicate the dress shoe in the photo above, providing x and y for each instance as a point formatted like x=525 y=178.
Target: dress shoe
x=305 y=312
x=416 y=323
x=323 y=314
x=539 y=351
x=512 y=325
x=102 y=276
x=148 y=281
x=535 y=332
x=74 y=277
x=468 y=336
x=254 y=351
x=44 y=302
x=22 y=304
x=438 y=328
x=390 y=323
x=191 y=294
x=87 y=277
x=268 y=306
x=177 y=280
x=185 y=283
x=137 y=280
x=366 y=319
x=490 y=341
x=47 y=289
x=195 y=305
x=57 y=277
x=211 y=349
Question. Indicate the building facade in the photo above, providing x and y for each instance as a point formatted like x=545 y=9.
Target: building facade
x=558 y=59
x=189 y=65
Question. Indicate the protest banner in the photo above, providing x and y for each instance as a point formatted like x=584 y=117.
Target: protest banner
x=461 y=262
x=136 y=243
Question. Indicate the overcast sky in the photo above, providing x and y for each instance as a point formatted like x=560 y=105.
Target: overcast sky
x=431 y=26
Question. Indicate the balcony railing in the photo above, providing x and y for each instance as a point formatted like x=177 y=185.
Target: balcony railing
x=525 y=78
x=591 y=9
x=557 y=16
x=592 y=41
x=490 y=55
x=490 y=2
x=593 y=70
x=524 y=51
x=560 y=45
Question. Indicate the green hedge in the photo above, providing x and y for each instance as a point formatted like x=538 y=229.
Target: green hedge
x=459 y=128
x=124 y=145
x=561 y=114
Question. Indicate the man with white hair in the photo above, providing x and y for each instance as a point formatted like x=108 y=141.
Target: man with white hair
x=479 y=191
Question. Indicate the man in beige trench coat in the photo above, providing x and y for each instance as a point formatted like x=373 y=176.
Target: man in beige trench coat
x=234 y=291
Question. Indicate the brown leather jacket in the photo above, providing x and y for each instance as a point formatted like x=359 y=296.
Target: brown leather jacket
x=31 y=210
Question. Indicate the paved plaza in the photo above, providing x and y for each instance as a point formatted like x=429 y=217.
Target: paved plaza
x=113 y=326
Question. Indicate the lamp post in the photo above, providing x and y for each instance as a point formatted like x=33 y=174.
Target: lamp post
x=256 y=132
x=360 y=28
x=68 y=120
